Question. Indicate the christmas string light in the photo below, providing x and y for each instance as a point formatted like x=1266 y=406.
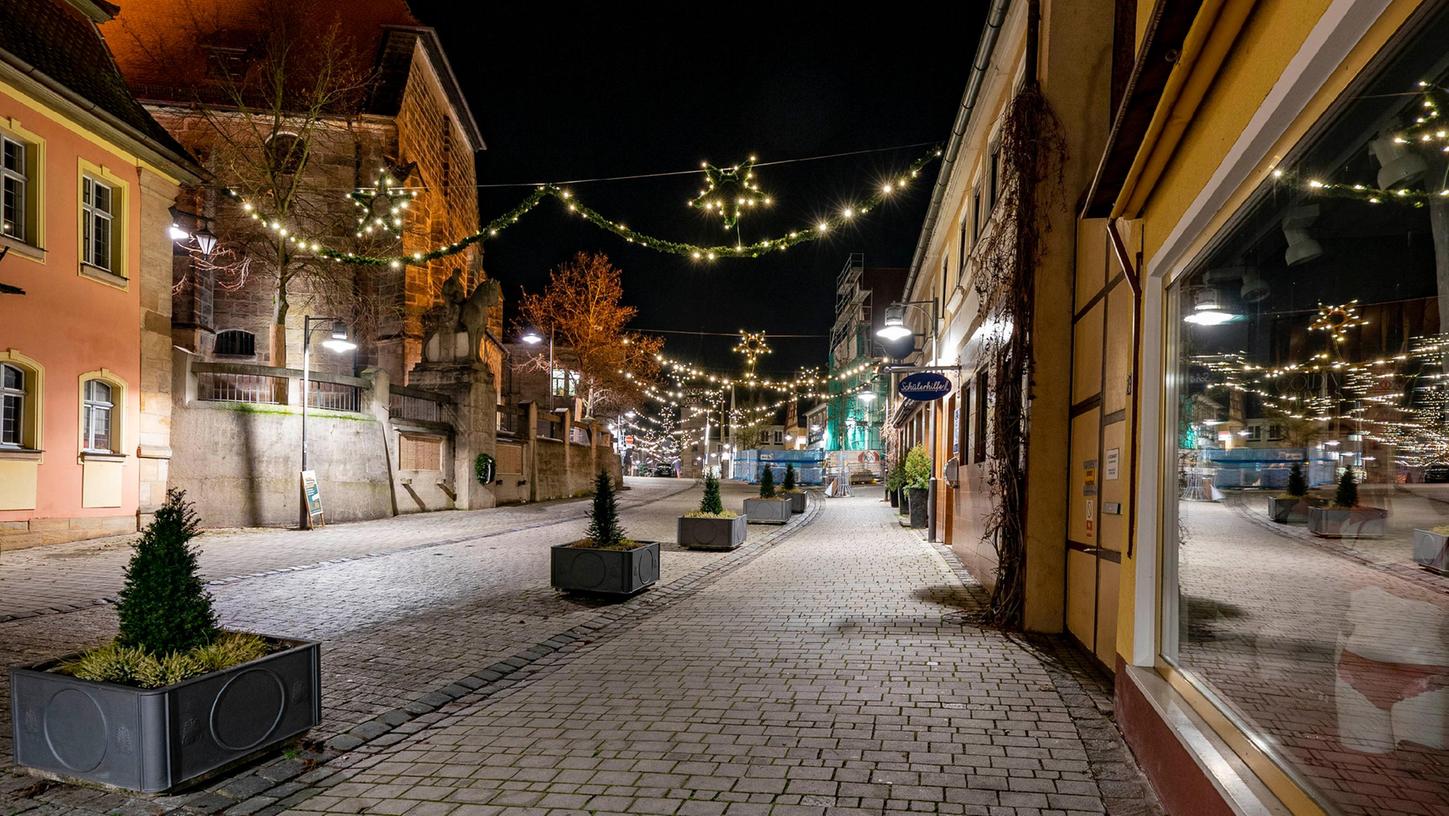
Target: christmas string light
x=573 y=206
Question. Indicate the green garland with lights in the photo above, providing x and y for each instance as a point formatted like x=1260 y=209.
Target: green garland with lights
x=570 y=201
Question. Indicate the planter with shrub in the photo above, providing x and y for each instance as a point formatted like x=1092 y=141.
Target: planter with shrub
x=605 y=561
x=711 y=527
x=1291 y=506
x=173 y=697
x=1431 y=548
x=790 y=490
x=769 y=508
x=1346 y=518
x=918 y=483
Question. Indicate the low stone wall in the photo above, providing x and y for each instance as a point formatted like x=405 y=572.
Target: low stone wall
x=240 y=463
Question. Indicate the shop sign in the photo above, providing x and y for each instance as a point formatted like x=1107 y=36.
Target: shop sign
x=924 y=386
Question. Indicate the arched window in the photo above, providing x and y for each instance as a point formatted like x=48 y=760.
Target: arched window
x=13 y=385
x=97 y=418
x=236 y=343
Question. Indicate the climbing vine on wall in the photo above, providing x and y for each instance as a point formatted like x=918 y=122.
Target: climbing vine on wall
x=1033 y=151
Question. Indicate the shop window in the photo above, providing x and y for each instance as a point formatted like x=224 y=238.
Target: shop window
x=236 y=343
x=98 y=407
x=1321 y=314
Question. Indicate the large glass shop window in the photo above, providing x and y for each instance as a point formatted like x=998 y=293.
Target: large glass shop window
x=1306 y=569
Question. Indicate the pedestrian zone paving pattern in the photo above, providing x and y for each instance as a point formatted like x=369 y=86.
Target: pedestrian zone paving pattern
x=824 y=667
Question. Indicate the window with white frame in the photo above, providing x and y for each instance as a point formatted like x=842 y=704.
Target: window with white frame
x=96 y=417
x=12 y=406
x=98 y=201
x=565 y=383
x=15 y=188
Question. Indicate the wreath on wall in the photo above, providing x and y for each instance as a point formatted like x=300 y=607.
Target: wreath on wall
x=483 y=468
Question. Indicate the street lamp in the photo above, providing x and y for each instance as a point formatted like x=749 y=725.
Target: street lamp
x=338 y=342
x=893 y=323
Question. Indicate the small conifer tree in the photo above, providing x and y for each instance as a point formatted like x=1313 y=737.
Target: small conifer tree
x=767 y=483
x=164 y=606
x=1297 y=485
x=1347 y=495
x=604 y=528
x=711 y=502
x=789 y=483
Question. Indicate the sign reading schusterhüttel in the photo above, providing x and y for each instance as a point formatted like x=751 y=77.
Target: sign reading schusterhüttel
x=924 y=386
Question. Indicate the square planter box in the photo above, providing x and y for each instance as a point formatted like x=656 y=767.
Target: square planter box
x=768 y=511
x=606 y=572
x=712 y=533
x=797 y=502
x=1348 y=522
x=1432 y=550
x=1288 y=511
x=152 y=740
x=919 y=506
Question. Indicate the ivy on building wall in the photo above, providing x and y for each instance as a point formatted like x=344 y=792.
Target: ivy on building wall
x=1032 y=155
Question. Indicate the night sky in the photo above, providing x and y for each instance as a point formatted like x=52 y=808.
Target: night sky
x=565 y=93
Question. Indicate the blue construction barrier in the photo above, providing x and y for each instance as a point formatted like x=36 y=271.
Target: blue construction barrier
x=809 y=465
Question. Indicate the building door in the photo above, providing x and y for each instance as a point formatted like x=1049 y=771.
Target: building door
x=1097 y=482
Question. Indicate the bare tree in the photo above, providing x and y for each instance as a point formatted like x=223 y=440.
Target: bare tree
x=278 y=102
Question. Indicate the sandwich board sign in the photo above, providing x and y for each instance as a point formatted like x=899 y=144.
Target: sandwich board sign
x=312 y=498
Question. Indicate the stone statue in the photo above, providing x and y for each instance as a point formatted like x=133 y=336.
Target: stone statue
x=458 y=314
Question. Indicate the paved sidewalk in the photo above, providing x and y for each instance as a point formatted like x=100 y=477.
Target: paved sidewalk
x=827 y=673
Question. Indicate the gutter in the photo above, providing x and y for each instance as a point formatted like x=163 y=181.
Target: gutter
x=141 y=143
x=985 y=48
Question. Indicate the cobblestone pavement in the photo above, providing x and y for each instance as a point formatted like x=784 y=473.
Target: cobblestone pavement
x=404 y=608
x=832 y=671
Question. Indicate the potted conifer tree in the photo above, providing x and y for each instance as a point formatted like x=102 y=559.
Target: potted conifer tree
x=895 y=479
x=918 y=483
x=605 y=560
x=173 y=696
x=769 y=508
x=1291 y=506
x=1346 y=518
x=792 y=491
x=711 y=527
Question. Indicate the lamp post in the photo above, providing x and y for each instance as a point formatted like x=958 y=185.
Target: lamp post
x=338 y=343
x=533 y=337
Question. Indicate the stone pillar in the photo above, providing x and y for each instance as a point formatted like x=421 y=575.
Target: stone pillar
x=530 y=456
x=475 y=422
x=153 y=451
x=379 y=399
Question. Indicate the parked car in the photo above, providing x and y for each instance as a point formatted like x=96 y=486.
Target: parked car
x=1436 y=473
x=664 y=470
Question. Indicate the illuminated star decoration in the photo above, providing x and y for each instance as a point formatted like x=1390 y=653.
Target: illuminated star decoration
x=753 y=346
x=383 y=203
x=730 y=191
x=1337 y=320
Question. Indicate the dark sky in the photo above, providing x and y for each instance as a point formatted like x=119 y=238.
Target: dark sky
x=564 y=92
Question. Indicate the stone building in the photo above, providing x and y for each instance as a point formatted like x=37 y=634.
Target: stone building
x=194 y=64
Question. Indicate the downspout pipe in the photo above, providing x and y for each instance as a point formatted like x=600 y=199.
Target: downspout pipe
x=985 y=48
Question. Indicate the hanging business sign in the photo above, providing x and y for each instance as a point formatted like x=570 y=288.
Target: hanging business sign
x=924 y=386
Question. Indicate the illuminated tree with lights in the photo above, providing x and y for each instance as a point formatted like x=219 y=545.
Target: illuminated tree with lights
x=582 y=308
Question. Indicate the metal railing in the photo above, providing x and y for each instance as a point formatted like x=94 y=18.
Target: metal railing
x=223 y=386
x=412 y=403
x=331 y=396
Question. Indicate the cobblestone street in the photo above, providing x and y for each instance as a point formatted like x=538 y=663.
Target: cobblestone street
x=825 y=665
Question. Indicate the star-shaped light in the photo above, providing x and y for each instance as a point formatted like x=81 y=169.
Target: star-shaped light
x=753 y=346
x=382 y=204
x=730 y=191
x=1337 y=320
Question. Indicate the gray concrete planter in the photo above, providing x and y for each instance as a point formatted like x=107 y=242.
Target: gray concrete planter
x=920 y=500
x=1348 y=522
x=605 y=572
x=895 y=497
x=1432 y=550
x=712 y=533
x=797 y=501
x=768 y=511
x=1288 y=510
x=153 y=740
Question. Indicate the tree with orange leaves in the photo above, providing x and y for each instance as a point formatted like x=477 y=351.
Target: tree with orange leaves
x=581 y=307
